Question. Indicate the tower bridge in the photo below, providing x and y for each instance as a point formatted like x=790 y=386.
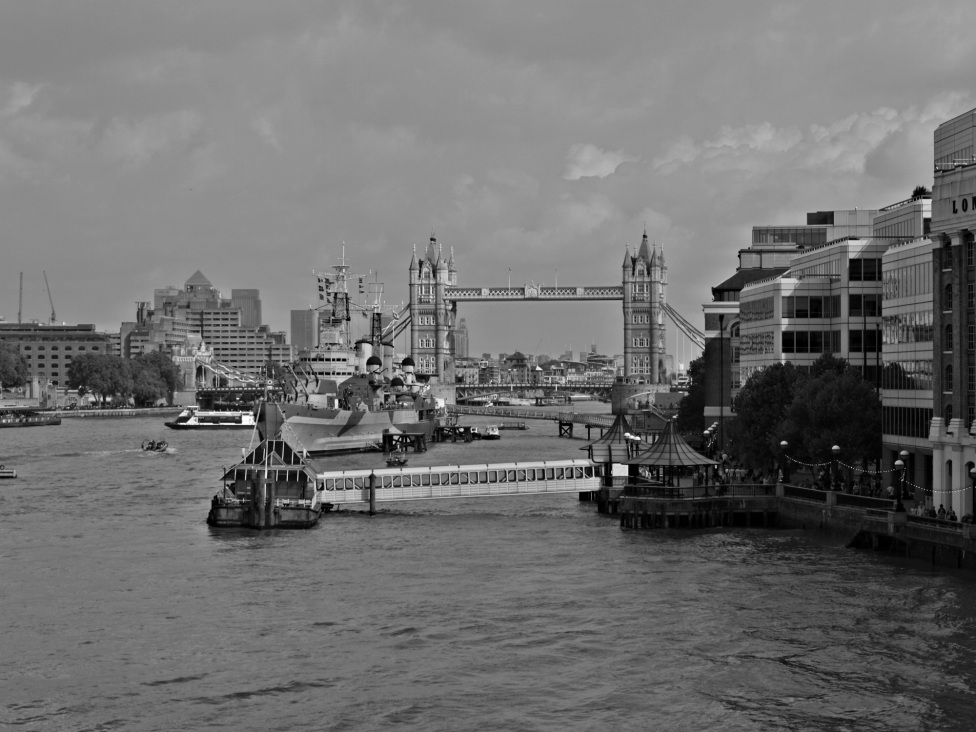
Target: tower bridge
x=435 y=294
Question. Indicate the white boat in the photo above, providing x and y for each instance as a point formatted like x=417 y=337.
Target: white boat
x=195 y=418
x=491 y=433
x=6 y=472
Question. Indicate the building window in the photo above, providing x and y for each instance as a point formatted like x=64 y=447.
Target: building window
x=971 y=385
x=969 y=254
x=947 y=386
x=865 y=270
x=947 y=341
x=947 y=413
x=970 y=337
x=971 y=295
x=947 y=295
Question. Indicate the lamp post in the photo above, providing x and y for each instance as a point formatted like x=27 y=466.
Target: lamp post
x=904 y=458
x=834 y=470
x=900 y=465
x=721 y=383
x=972 y=474
x=784 y=470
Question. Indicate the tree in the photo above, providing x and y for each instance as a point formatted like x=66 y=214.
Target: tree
x=760 y=411
x=102 y=375
x=166 y=372
x=691 y=408
x=14 y=370
x=147 y=386
x=920 y=192
x=835 y=409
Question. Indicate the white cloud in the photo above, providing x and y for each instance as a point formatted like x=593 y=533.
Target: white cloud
x=585 y=160
x=265 y=128
x=21 y=97
x=134 y=142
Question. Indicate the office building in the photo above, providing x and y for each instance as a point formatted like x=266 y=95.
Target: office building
x=304 y=329
x=954 y=314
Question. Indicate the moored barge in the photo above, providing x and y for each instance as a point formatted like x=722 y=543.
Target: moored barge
x=271 y=488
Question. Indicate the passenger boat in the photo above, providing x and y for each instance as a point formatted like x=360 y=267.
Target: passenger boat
x=195 y=418
x=28 y=417
x=273 y=487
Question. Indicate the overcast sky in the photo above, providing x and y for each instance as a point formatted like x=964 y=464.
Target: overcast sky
x=141 y=141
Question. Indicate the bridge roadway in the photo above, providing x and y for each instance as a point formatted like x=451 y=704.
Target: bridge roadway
x=589 y=420
x=459 y=481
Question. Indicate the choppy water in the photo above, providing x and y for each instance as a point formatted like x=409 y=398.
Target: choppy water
x=120 y=609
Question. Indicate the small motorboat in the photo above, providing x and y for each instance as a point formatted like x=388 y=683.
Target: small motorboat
x=6 y=472
x=396 y=459
x=154 y=446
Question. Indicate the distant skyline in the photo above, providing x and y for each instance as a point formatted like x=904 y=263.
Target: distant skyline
x=142 y=141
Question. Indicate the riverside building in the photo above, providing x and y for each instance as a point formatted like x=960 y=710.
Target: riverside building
x=750 y=312
x=907 y=327
x=227 y=327
x=954 y=305
x=49 y=349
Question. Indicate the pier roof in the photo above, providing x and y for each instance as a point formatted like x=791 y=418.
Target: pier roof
x=614 y=446
x=670 y=449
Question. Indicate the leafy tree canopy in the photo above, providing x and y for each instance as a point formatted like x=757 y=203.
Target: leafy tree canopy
x=761 y=408
x=14 y=370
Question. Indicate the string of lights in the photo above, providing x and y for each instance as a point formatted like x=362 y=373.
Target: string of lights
x=854 y=468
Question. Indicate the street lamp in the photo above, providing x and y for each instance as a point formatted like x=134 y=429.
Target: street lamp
x=972 y=474
x=904 y=458
x=784 y=470
x=900 y=465
x=833 y=478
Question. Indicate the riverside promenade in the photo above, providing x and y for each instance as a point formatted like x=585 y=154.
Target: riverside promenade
x=863 y=522
x=129 y=412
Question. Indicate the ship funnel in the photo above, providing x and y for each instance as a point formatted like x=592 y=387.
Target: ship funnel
x=364 y=349
x=388 y=359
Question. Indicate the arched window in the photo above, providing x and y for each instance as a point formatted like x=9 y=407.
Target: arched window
x=947 y=384
x=947 y=294
x=947 y=341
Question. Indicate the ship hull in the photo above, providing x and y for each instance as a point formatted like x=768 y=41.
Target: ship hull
x=325 y=431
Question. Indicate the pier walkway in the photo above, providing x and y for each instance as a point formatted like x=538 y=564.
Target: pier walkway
x=459 y=481
x=589 y=420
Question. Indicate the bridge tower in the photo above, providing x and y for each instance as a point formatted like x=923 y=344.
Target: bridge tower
x=431 y=313
x=659 y=282
x=644 y=281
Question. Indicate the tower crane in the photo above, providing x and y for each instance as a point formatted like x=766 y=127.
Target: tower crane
x=54 y=318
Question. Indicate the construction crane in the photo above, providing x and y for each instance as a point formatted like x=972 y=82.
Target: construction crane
x=54 y=318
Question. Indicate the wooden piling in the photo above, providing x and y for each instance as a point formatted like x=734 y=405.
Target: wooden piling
x=372 y=494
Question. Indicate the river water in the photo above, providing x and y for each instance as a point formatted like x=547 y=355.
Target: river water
x=120 y=609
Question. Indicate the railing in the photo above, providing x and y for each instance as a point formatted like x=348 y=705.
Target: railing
x=936 y=523
x=881 y=504
x=688 y=492
x=809 y=494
